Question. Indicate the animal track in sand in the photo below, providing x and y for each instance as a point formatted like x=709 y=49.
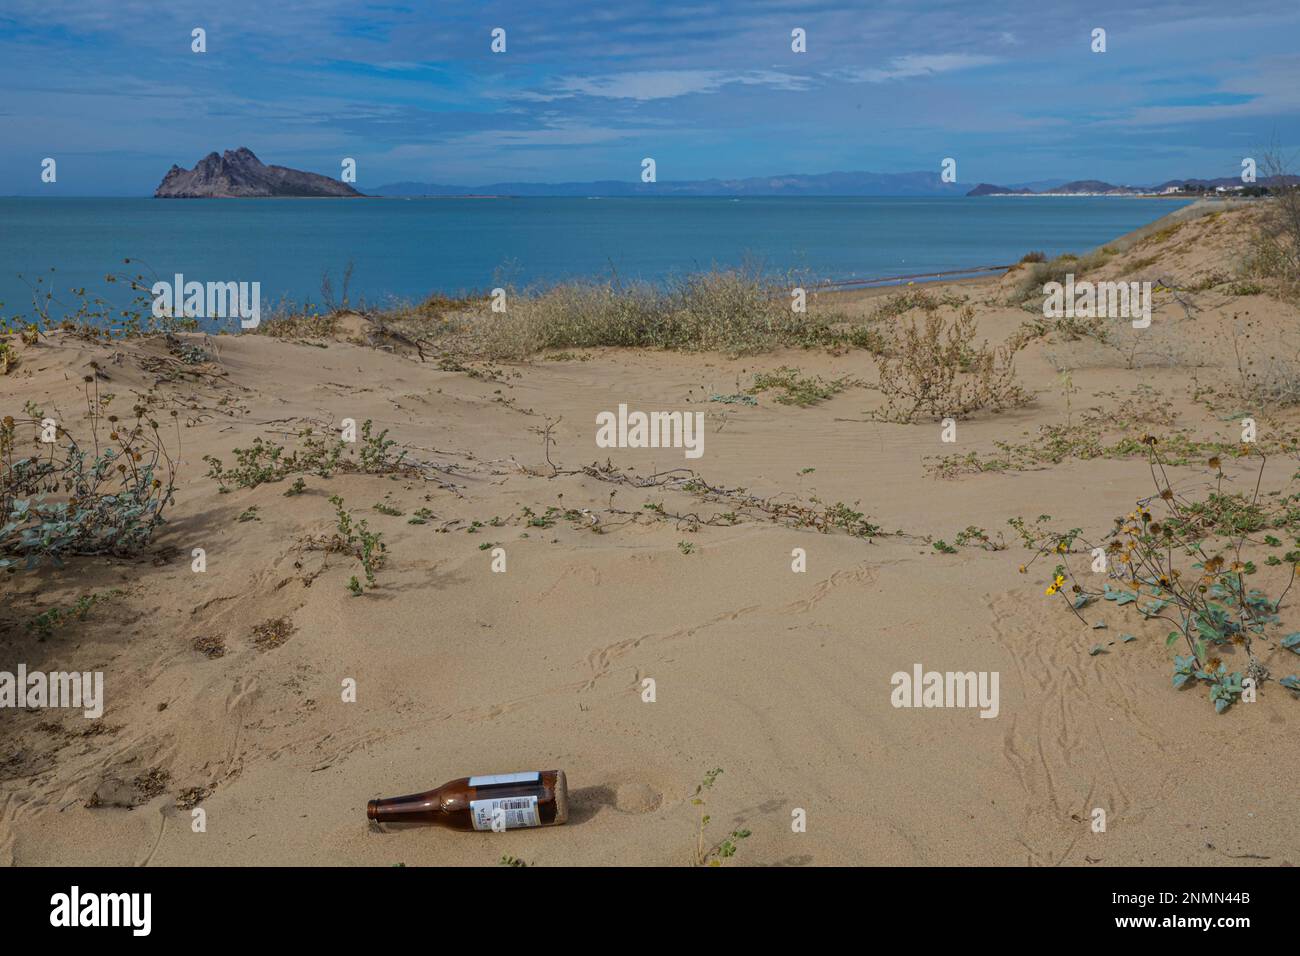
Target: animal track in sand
x=602 y=659
x=862 y=574
x=1056 y=745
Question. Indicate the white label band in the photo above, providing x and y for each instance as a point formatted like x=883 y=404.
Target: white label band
x=509 y=813
x=494 y=779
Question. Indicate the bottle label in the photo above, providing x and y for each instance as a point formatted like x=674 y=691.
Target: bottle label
x=508 y=813
x=496 y=779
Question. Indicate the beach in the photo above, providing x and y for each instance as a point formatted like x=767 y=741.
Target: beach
x=628 y=564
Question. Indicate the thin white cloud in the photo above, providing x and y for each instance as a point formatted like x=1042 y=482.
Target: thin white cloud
x=1270 y=84
x=645 y=85
x=921 y=64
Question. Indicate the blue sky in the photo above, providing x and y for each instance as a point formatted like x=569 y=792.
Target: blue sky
x=412 y=91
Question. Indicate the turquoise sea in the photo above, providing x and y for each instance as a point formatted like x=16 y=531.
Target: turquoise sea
x=409 y=248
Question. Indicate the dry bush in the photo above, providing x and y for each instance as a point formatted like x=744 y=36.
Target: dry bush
x=937 y=372
x=1275 y=250
x=1273 y=380
x=1041 y=272
x=734 y=311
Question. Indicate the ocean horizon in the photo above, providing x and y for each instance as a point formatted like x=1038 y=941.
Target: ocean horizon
x=408 y=249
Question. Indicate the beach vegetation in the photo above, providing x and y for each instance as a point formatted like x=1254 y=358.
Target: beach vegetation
x=272 y=633
x=52 y=620
x=105 y=495
x=938 y=371
x=92 y=317
x=1275 y=245
x=210 y=646
x=1039 y=271
x=735 y=311
x=1094 y=435
x=264 y=462
x=354 y=537
x=712 y=854
x=794 y=389
x=973 y=536
x=1188 y=561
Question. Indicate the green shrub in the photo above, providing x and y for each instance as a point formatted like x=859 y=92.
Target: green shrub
x=65 y=500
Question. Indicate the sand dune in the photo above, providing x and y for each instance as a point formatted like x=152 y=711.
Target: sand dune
x=781 y=679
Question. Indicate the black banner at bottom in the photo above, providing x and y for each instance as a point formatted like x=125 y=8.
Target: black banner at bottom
x=337 y=905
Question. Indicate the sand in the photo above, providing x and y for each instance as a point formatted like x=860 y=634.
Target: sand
x=781 y=679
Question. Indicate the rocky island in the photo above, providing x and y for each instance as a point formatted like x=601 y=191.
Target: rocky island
x=238 y=174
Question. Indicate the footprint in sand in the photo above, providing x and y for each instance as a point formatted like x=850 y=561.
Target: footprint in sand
x=636 y=798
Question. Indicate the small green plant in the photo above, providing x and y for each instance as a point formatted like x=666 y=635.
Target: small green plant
x=734 y=399
x=263 y=461
x=297 y=488
x=794 y=390
x=376 y=452
x=355 y=537
x=943 y=547
x=973 y=536
x=686 y=547
x=45 y=624
x=8 y=357
x=706 y=855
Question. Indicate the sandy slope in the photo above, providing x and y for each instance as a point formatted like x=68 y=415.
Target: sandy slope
x=781 y=679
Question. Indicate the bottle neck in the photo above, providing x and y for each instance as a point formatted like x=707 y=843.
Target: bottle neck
x=414 y=808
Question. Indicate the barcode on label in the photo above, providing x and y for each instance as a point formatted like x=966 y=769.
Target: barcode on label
x=508 y=813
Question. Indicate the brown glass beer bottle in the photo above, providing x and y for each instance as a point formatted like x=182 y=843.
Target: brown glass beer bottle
x=502 y=801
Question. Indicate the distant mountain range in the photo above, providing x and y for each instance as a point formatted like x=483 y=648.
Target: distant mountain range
x=238 y=174
x=1095 y=187
x=817 y=184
